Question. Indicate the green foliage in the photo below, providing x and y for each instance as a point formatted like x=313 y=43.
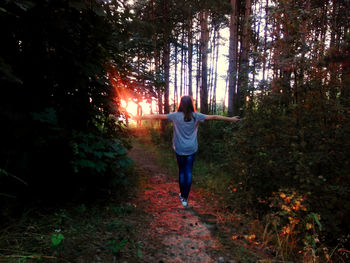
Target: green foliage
x=61 y=216
x=210 y=136
x=56 y=97
x=159 y=136
x=121 y=210
x=304 y=149
x=97 y=153
x=301 y=147
x=56 y=240
x=76 y=228
x=298 y=147
x=116 y=246
x=292 y=224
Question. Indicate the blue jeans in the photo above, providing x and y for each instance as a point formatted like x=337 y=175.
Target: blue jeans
x=185 y=163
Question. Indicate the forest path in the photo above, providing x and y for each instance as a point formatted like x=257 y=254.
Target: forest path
x=175 y=233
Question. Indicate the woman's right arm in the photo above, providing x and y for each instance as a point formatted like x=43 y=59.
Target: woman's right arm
x=222 y=118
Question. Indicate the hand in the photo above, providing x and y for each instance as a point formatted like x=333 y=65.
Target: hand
x=236 y=118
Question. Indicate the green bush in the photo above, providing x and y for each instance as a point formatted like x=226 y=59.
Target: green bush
x=300 y=147
x=56 y=98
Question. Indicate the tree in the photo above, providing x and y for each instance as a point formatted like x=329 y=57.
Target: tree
x=166 y=55
x=233 y=58
x=57 y=97
x=204 y=53
x=243 y=76
x=190 y=51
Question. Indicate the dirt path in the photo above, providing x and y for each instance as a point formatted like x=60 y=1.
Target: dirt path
x=174 y=233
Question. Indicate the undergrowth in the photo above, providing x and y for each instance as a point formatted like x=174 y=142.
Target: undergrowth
x=102 y=230
x=288 y=232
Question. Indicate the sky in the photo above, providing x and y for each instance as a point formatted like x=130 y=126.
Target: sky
x=221 y=70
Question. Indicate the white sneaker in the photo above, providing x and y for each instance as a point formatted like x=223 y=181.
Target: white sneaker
x=183 y=200
x=180 y=197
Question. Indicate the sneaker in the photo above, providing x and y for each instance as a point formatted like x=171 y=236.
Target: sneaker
x=183 y=200
x=180 y=197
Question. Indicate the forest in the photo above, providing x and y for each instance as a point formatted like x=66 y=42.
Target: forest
x=74 y=71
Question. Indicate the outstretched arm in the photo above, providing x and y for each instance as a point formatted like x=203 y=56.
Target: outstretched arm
x=153 y=117
x=222 y=118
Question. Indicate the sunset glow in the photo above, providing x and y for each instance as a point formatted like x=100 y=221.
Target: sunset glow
x=131 y=107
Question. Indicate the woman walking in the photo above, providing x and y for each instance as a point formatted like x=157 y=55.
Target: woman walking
x=186 y=121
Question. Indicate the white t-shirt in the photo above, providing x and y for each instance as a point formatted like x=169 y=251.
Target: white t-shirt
x=185 y=133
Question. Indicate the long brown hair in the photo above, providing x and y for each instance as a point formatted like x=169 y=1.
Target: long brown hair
x=187 y=107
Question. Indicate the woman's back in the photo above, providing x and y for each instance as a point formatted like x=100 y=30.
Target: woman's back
x=185 y=132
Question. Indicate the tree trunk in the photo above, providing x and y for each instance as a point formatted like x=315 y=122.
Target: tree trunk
x=182 y=61
x=189 y=40
x=256 y=44
x=211 y=71
x=166 y=77
x=265 y=45
x=216 y=73
x=233 y=50
x=226 y=88
x=185 y=91
x=156 y=64
x=175 y=79
x=199 y=62
x=345 y=68
x=204 y=52
x=334 y=49
x=166 y=55
x=242 y=86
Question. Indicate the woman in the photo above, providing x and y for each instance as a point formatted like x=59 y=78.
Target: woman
x=186 y=121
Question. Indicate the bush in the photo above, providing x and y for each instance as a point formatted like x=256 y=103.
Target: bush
x=301 y=147
x=56 y=99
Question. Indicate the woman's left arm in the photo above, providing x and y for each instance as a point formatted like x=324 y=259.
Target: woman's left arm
x=222 y=118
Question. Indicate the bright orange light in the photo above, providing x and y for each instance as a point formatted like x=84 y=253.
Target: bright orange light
x=123 y=103
x=131 y=107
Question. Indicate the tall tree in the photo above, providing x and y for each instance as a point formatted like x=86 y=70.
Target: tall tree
x=264 y=55
x=233 y=57
x=182 y=83
x=156 y=59
x=204 y=52
x=175 y=76
x=216 y=73
x=212 y=64
x=243 y=76
x=57 y=95
x=166 y=55
x=190 y=51
x=199 y=74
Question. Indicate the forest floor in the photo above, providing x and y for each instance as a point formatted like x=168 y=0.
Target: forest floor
x=205 y=231
x=174 y=233
x=145 y=222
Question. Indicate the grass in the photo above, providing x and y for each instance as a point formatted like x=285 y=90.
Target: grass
x=104 y=230
x=77 y=232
